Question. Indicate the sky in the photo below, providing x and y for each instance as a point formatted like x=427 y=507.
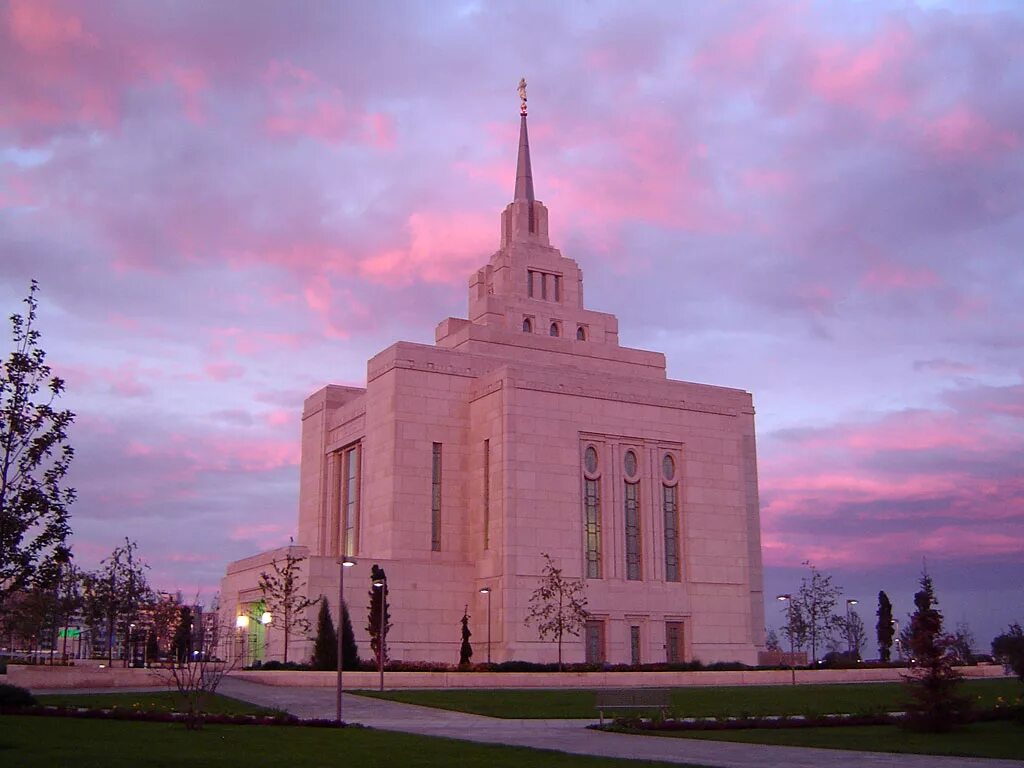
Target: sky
x=230 y=205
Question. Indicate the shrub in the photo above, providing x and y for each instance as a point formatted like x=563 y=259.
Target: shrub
x=14 y=696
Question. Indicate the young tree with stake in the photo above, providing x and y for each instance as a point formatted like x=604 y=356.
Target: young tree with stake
x=283 y=595
x=558 y=606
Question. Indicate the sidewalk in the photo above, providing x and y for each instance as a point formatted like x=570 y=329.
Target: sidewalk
x=572 y=736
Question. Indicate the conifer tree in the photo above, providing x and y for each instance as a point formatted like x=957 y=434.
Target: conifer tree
x=325 y=646
x=349 y=649
x=884 y=628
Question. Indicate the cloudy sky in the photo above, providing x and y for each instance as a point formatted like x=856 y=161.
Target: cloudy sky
x=229 y=205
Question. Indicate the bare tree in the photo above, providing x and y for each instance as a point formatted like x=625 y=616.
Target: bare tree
x=283 y=594
x=817 y=600
x=196 y=676
x=558 y=606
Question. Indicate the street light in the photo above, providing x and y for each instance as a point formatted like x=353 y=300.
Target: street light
x=788 y=599
x=343 y=563
x=849 y=626
x=487 y=591
x=381 y=583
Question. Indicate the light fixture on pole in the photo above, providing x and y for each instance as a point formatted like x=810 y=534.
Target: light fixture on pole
x=788 y=599
x=849 y=626
x=343 y=563
x=487 y=591
x=381 y=582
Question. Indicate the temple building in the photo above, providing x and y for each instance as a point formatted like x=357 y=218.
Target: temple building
x=527 y=429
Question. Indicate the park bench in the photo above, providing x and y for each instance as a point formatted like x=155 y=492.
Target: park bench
x=633 y=698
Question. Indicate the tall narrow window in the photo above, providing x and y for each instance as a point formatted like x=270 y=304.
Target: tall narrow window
x=592 y=512
x=487 y=494
x=529 y=282
x=594 y=639
x=674 y=642
x=435 y=501
x=350 y=470
x=544 y=285
x=634 y=645
x=670 y=511
x=632 y=516
x=558 y=288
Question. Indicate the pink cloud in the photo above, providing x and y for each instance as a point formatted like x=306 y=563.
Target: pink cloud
x=38 y=26
x=962 y=131
x=224 y=371
x=890 y=277
x=869 y=77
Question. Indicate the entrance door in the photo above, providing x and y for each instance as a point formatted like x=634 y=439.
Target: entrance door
x=674 y=650
x=594 y=638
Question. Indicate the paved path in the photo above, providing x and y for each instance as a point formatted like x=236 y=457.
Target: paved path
x=572 y=736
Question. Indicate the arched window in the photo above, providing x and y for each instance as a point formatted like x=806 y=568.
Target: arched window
x=631 y=499
x=553 y=330
x=527 y=325
x=581 y=335
x=670 y=512
x=592 y=511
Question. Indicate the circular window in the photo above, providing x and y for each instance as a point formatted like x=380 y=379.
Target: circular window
x=629 y=462
x=668 y=467
x=590 y=459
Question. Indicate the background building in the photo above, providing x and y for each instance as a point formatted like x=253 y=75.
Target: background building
x=527 y=429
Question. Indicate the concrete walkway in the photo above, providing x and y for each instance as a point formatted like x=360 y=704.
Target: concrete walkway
x=572 y=735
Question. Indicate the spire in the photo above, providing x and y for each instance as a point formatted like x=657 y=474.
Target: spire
x=524 y=174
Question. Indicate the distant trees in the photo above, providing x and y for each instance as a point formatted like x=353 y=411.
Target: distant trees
x=962 y=643
x=853 y=631
x=325 y=646
x=283 y=594
x=34 y=458
x=935 y=705
x=884 y=630
x=771 y=641
x=558 y=606
x=114 y=594
x=1008 y=650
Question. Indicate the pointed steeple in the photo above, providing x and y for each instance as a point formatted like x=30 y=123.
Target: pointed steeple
x=524 y=174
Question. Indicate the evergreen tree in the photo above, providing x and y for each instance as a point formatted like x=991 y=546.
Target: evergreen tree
x=378 y=634
x=884 y=629
x=181 y=646
x=325 y=647
x=349 y=650
x=935 y=705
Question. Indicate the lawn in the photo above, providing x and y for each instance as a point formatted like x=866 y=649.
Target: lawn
x=45 y=742
x=998 y=740
x=699 y=702
x=163 y=701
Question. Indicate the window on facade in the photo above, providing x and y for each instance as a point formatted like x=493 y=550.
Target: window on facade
x=634 y=645
x=527 y=325
x=592 y=512
x=553 y=330
x=487 y=494
x=435 y=500
x=593 y=632
x=674 y=649
x=581 y=335
x=670 y=512
x=350 y=499
x=544 y=285
x=632 y=517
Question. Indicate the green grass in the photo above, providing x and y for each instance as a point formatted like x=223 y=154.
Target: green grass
x=164 y=701
x=699 y=702
x=46 y=742
x=997 y=740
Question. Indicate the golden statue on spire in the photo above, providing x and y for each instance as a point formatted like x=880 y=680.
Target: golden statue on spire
x=522 y=96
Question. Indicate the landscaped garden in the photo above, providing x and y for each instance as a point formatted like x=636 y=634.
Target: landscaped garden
x=162 y=701
x=725 y=701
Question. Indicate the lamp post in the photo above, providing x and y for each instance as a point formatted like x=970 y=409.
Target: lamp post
x=381 y=583
x=849 y=626
x=343 y=563
x=487 y=591
x=788 y=599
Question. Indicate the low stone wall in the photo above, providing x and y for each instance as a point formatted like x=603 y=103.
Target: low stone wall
x=42 y=677
x=393 y=680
